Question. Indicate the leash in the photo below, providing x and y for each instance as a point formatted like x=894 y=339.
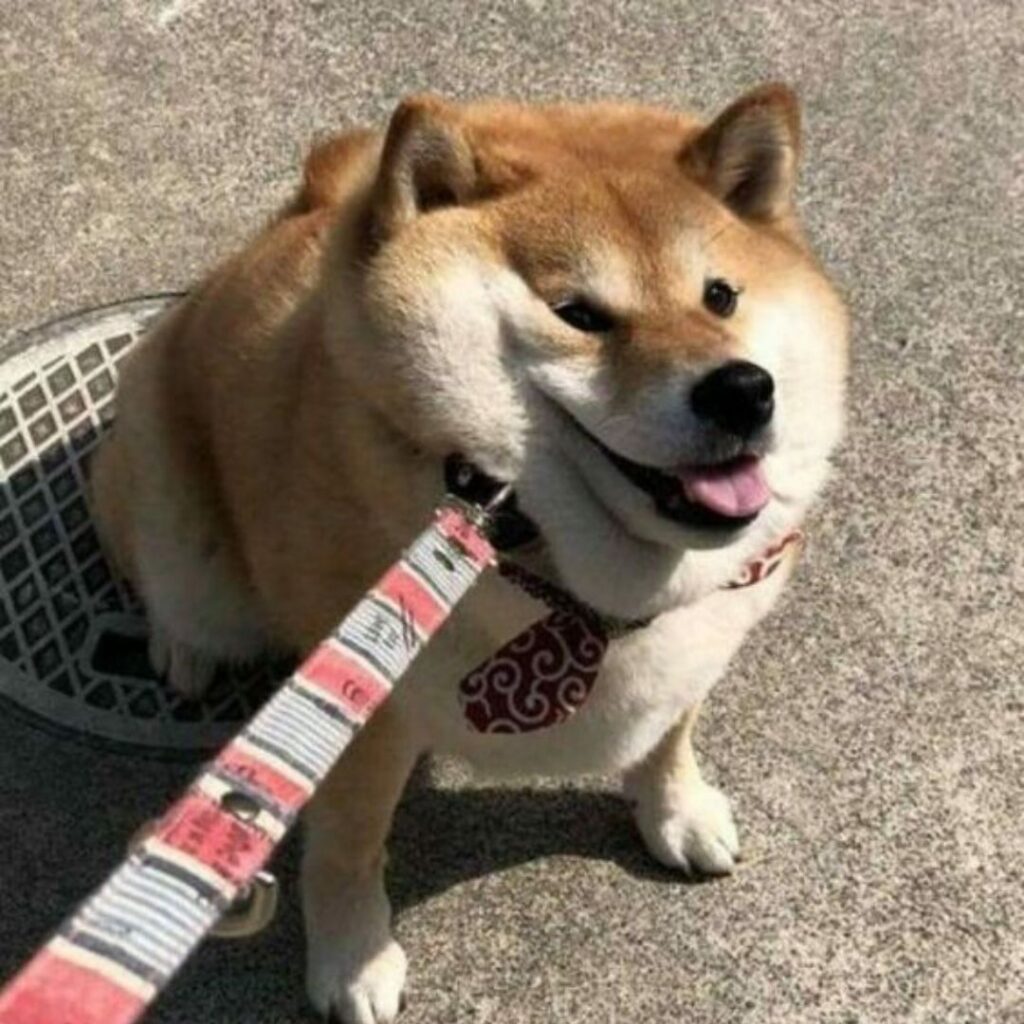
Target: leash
x=111 y=959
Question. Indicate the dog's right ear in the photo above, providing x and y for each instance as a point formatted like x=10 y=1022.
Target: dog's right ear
x=748 y=155
x=427 y=162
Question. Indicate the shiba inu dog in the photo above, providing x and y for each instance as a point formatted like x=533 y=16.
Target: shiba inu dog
x=611 y=307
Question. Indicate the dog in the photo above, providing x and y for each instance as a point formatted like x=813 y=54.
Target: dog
x=611 y=307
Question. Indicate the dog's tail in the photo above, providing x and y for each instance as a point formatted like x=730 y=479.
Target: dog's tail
x=332 y=169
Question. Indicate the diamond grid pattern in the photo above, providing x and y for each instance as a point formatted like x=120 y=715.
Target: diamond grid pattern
x=53 y=577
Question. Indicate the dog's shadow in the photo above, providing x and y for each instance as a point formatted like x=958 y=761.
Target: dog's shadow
x=441 y=838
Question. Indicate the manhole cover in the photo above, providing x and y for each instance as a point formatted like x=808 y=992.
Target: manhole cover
x=72 y=637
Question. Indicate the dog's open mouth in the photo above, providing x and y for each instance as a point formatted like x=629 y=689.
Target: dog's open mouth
x=727 y=494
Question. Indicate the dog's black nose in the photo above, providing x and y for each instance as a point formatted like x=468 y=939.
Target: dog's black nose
x=738 y=397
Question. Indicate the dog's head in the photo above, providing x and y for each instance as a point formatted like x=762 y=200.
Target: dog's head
x=614 y=308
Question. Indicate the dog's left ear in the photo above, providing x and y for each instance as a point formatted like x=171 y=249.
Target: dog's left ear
x=427 y=162
x=748 y=155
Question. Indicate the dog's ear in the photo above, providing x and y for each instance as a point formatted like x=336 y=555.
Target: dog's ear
x=427 y=162
x=748 y=155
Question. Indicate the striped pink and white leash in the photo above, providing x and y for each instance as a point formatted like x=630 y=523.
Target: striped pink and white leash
x=109 y=961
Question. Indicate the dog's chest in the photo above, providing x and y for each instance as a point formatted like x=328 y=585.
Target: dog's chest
x=647 y=679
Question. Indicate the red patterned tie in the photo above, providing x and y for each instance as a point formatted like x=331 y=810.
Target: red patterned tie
x=545 y=674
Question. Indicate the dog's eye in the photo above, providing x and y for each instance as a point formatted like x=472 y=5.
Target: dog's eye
x=584 y=316
x=720 y=297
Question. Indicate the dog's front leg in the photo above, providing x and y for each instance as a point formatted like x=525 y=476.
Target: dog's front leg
x=355 y=968
x=686 y=822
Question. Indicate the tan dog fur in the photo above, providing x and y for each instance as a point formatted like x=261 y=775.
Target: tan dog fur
x=281 y=433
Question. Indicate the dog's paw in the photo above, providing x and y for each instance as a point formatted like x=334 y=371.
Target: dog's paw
x=689 y=828
x=187 y=670
x=350 y=989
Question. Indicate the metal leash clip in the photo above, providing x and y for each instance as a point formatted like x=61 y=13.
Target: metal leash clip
x=494 y=502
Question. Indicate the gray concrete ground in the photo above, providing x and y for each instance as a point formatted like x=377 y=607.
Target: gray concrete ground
x=872 y=733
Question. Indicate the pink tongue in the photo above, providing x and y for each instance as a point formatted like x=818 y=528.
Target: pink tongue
x=735 y=488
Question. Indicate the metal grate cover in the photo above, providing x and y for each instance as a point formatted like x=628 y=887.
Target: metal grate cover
x=72 y=637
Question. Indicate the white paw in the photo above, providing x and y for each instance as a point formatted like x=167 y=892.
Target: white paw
x=353 y=989
x=188 y=670
x=355 y=971
x=690 y=828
